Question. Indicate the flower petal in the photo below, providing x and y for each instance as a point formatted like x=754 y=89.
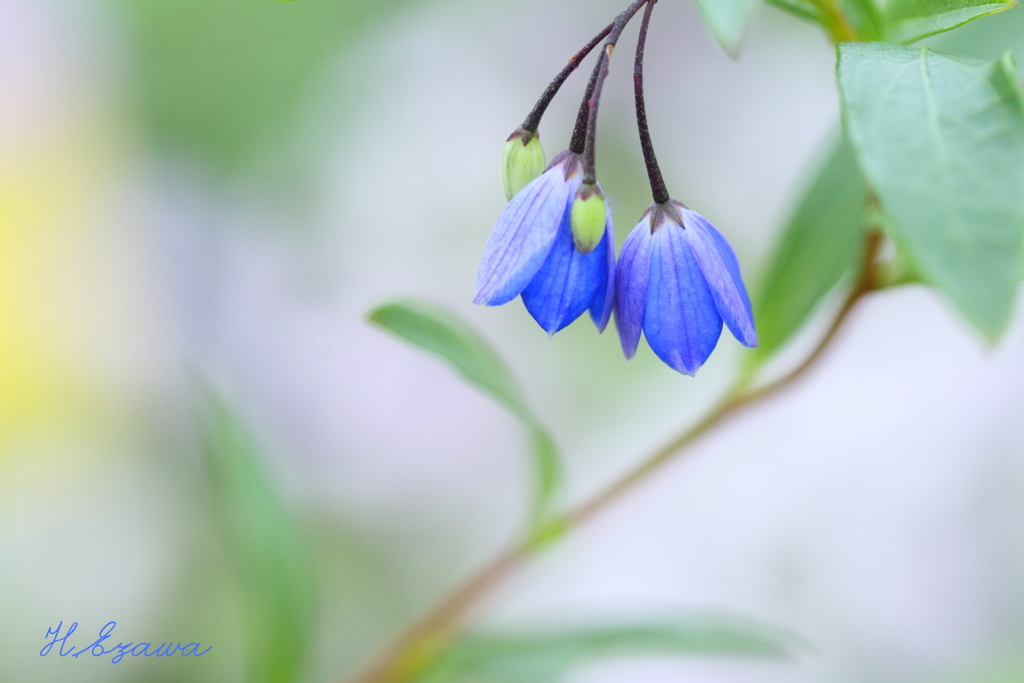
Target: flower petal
x=567 y=282
x=681 y=321
x=631 y=277
x=604 y=298
x=718 y=263
x=522 y=238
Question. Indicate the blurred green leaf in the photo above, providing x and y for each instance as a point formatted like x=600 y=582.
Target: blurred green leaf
x=548 y=466
x=910 y=20
x=864 y=15
x=267 y=549
x=727 y=20
x=820 y=244
x=547 y=657
x=941 y=139
x=805 y=9
x=441 y=332
x=987 y=38
x=1004 y=665
x=223 y=79
x=895 y=269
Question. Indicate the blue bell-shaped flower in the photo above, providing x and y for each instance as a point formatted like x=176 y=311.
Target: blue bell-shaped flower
x=677 y=281
x=531 y=252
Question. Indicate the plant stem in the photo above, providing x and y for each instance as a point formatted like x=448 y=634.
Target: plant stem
x=533 y=119
x=578 y=142
x=589 y=162
x=419 y=645
x=658 y=190
x=736 y=398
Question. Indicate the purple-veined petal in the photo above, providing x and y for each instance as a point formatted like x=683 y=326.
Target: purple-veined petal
x=522 y=238
x=604 y=298
x=567 y=281
x=681 y=321
x=631 y=278
x=718 y=263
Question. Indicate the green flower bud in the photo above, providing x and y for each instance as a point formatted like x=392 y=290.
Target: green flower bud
x=588 y=218
x=522 y=160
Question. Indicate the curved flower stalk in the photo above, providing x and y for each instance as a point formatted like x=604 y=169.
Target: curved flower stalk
x=678 y=280
x=522 y=157
x=531 y=252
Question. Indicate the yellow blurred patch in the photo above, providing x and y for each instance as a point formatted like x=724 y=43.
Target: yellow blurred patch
x=49 y=206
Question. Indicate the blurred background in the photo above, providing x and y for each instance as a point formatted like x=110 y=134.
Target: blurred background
x=203 y=440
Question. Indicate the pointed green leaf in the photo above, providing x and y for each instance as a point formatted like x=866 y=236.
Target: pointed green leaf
x=548 y=657
x=819 y=245
x=941 y=139
x=910 y=20
x=727 y=20
x=441 y=332
x=267 y=549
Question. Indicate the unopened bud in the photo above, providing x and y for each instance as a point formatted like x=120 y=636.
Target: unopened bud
x=522 y=160
x=588 y=218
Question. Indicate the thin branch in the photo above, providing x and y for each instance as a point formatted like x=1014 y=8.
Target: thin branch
x=658 y=190
x=415 y=649
x=589 y=170
x=578 y=142
x=734 y=400
x=533 y=119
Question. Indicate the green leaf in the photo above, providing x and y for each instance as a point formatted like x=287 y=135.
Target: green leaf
x=547 y=467
x=988 y=38
x=820 y=244
x=941 y=139
x=267 y=548
x=547 y=657
x=440 y=332
x=864 y=15
x=727 y=20
x=910 y=20
x=805 y=9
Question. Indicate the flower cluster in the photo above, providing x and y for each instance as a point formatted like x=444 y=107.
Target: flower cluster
x=677 y=280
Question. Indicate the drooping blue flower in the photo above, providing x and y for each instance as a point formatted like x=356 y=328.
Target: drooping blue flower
x=531 y=252
x=677 y=281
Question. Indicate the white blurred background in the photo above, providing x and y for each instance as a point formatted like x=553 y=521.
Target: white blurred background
x=224 y=188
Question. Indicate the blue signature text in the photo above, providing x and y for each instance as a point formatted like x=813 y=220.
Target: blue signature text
x=54 y=637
